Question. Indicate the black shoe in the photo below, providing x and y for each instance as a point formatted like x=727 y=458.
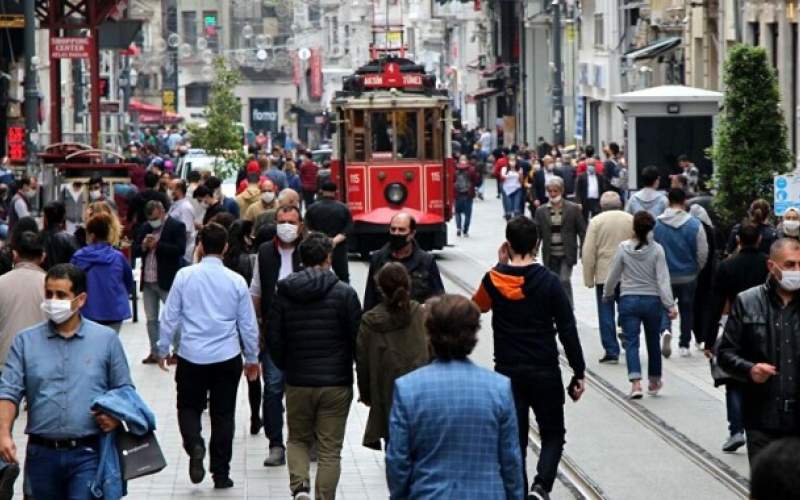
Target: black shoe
x=255 y=425
x=196 y=470
x=609 y=360
x=7 y=477
x=538 y=493
x=222 y=482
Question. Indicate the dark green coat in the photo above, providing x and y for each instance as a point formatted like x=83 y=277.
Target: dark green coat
x=388 y=346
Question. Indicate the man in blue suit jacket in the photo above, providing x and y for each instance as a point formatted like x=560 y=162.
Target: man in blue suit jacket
x=453 y=426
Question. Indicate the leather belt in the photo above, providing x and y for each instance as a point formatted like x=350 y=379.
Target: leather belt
x=64 y=444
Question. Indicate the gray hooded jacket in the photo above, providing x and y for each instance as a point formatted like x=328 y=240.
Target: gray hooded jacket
x=641 y=272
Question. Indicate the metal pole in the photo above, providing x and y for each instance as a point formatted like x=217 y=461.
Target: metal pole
x=55 y=9
x=558 y=70
x=31 y=94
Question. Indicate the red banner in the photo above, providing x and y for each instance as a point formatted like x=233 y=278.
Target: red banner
x=297 y=71
x=316 y=73
x=70 y=47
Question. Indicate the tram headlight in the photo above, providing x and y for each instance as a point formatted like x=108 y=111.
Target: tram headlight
x=395 y=193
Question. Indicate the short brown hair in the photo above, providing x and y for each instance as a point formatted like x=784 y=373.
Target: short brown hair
x=452 y=323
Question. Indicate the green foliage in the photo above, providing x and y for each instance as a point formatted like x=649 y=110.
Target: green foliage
x=221 y=136
x=751 y=139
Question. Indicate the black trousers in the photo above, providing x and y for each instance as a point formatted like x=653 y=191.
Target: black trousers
x=591 y=207
x=545 y=395
x=216 y=383
x=339 y=262
x=758 y=440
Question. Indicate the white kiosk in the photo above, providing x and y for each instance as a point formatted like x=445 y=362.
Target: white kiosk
x=666 y=122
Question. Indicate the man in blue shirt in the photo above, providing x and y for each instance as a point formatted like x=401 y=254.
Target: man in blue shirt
x=60 y=367
x=211 y=304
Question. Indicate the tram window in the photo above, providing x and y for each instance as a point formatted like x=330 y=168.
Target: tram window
x=382 y=134
x=356 y=140
x=432 y=135
x=406 y=129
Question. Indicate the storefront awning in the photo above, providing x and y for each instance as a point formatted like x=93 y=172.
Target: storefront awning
x=654 y=49
x=152 y=114
x=482 y=93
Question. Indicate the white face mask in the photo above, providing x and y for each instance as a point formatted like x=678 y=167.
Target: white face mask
x=155 y=224
x=790 y=280
x=791 y=226
x=556 y=199
x=95 y=194
x=57 y=311
x=268 y=197
x=287 y=232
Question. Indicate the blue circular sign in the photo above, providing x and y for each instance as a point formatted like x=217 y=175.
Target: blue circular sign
x=781 y=182
x=781 y=195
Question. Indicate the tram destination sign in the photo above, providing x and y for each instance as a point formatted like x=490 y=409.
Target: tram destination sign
x=70 y=47
x=382 y=80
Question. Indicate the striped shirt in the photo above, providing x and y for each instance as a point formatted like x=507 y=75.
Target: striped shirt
x=556 y=243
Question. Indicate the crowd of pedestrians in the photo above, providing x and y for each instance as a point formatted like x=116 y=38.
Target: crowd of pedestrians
x=259 y=284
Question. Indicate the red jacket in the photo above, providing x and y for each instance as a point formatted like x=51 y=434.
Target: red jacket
x=498 y=166
x=308 y=176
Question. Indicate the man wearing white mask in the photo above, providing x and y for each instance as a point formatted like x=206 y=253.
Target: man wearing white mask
x=161 y=244
x=763 y=353
x=790 y=226
x=62 y=455
x=267 y=201
x=277 y=259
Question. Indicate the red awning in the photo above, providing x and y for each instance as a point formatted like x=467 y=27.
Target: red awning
x=150 y=113
x=482 y=93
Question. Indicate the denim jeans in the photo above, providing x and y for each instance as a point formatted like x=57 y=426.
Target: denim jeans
x=274 y=388
x=512 y=203
x=684 y=294
x=608 y=327
x=635 y=311
x=152 y=297
x=463 y=208
x=60 y=474
x=733 y=405
x=545 y=395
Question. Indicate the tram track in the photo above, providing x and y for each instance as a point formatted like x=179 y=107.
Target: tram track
x=579 y=482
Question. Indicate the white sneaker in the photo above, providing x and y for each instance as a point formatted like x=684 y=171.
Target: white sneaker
x=666 y=341
x=301 y=495
x=684 y=352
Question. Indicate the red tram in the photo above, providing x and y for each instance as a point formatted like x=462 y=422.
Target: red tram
x=392 y=152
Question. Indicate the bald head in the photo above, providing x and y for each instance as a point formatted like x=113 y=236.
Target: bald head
x=288 y=197
x=402 y=223
x=610 y=200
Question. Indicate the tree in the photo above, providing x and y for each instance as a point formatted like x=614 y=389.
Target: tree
x=221 y=135
x=751 y=139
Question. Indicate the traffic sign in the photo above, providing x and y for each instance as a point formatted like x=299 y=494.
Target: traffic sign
x=304 y=54
x=787 y=193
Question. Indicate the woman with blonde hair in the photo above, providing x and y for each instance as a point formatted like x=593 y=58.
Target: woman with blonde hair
x=101 y=207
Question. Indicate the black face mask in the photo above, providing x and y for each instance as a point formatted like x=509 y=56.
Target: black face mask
x=397 y=241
